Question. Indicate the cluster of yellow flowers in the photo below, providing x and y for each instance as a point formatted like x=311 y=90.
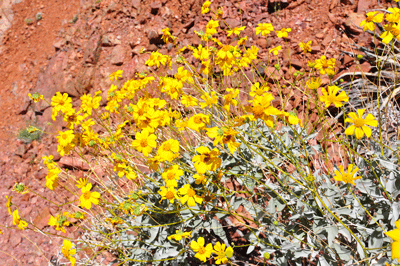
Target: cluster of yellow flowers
x=392 y=28
x=205 y=252
x=136 y=124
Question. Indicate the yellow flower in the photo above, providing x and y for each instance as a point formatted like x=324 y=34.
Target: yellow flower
x=264 y=28
x=117 y=74
x=391 y=30
x=203 y=252
x=257 y=90
x=167 y=36
x=200 y=179
x=283 y=33
x=372 y=17
x=314 y=83
x=17 y=221
x=394 y=15
x=206 y=160
x=219 y=13
x=68 y=251
x=89 y=103
x=311 y=63
x=224 y=136
x=168 y=193
x=36 y=97
x=290 y=118
x=395 y=236
x=209 y=100
x=60 y=102
x=348 y=177
x=229 y=98
x=330 y=97
x=212 y=26
x=60 y=221
x=157 y=58
x=360 y=125
x=242 y=41
x=65 y=138
x=180 y=235
x=222 y=254
x=169 y=150
x=306 y=47
x=323 y=64
x=189 y=195
x=275 y=50
x=171 y=175
x=52 y=176
x=144 y=142
x=200 y=52
x=20 y=188
x=188 y=101
x=182 y=75
x=236 y=30
x=87 y=197
x=8 y=204
x=198 y=122
x=81 y=182
x=205 y=8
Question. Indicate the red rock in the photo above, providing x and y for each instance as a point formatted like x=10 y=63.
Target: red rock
x=117 y=55
x=262 y=43
x=42 y=219
x=364 y=5
x=73 y=162
x=353 y=22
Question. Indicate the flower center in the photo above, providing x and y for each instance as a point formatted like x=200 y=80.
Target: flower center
x=207 y=158
x=171 y=176
x=202 y=250
x=347 y=178
x=167 y=147
x=332 y=98
x=197 y=120
x=191 y=192
x=258 y=110
x=87 y=195
x=169 y=195
x=359 y=122
x=143 y=142
x=227 y=138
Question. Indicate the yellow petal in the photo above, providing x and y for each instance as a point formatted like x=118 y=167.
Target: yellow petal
x=394 y=234
x=367 y=131
x=67 y=244
x=359 y=133
x=201 y=241
x=397 y=224
x=350 y=130
x=194 y=245
x=396 y=250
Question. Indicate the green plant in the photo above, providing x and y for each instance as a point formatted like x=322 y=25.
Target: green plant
x=38 y=16
x=208 y=166
x=74 y=19
x=29 y=21
x=29 y=134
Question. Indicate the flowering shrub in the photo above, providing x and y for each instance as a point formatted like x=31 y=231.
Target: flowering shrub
x=206 y=166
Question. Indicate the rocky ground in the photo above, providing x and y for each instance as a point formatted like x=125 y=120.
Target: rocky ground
x=75 y=46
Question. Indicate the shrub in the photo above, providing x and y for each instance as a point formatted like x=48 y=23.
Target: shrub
x=29 y=134
x=209 y=166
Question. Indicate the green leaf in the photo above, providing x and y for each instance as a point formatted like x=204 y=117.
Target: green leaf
x=332 y=233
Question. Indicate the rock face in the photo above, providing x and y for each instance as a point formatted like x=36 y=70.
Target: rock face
x=6 y=16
